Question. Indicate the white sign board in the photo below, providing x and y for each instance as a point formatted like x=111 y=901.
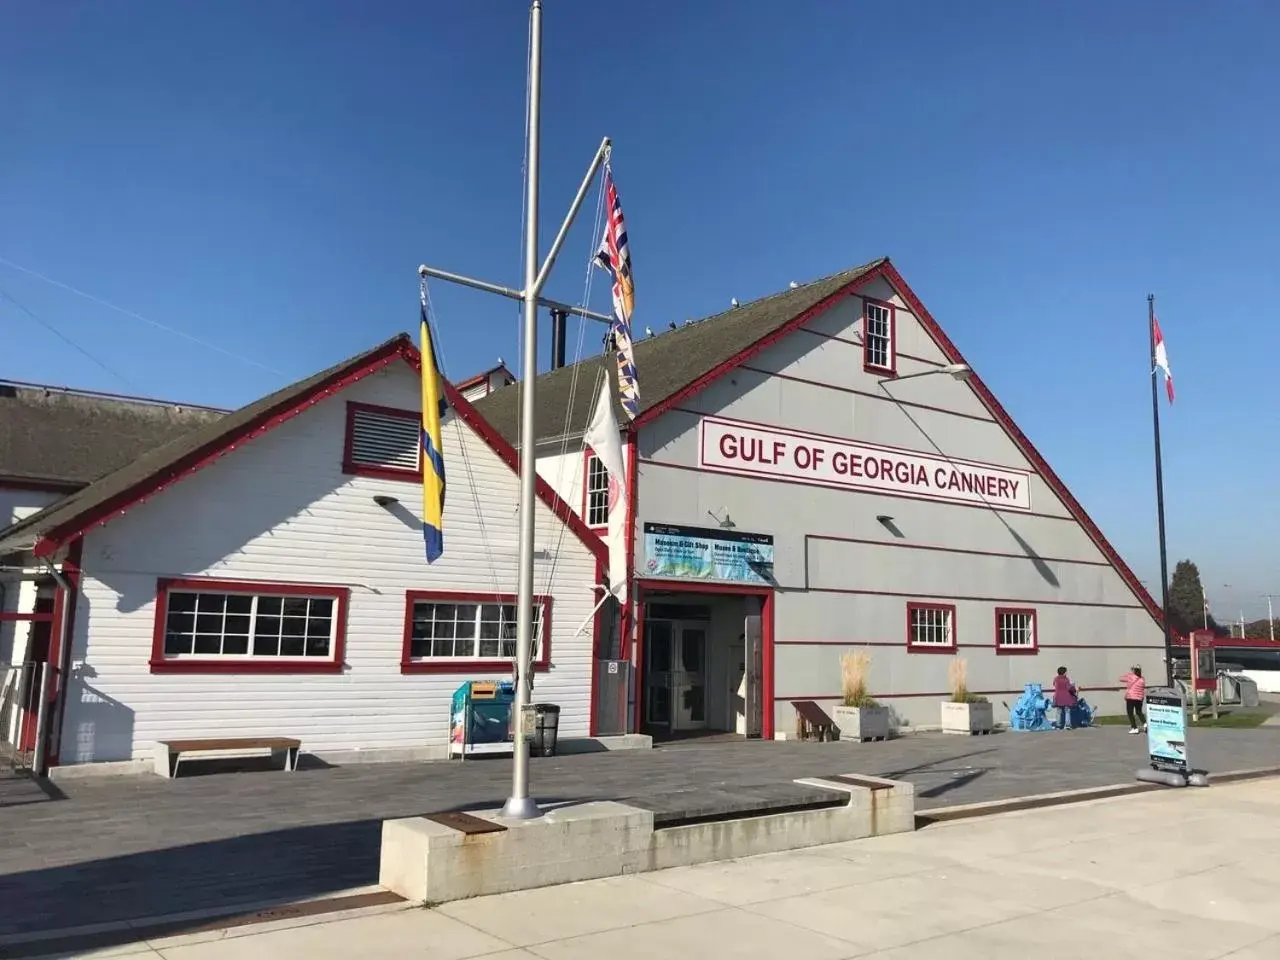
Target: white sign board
x=731 y=446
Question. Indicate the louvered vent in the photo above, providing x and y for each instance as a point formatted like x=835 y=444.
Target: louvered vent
x=381 y=440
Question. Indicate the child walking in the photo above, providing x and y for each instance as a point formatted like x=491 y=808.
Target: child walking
x=1064 y=697
x=1135 y=691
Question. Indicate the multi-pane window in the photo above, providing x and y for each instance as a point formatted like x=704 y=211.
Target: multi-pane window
x=214 y=624
x=931 y=626
x=597 y=496
x=1016 y=630
x=381 y=440
x=468 y=630
x=878 y=336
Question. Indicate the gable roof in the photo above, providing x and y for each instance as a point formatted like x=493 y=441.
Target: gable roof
x=667 y=363
x=69 y=518
x=673 y=366
x=54 y=438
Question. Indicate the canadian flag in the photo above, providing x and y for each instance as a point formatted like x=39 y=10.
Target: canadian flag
x=1162 y=359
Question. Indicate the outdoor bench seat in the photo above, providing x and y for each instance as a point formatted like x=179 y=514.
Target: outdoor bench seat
x=169 y=753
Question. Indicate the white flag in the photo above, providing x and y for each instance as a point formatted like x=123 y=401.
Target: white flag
x=602 y=438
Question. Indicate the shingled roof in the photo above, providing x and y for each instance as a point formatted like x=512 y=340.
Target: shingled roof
x=56 y=438
x=665 y=363
x=213 y=436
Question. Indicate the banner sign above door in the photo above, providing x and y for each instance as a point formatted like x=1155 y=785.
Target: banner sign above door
x=752 y=450
x=700 y=553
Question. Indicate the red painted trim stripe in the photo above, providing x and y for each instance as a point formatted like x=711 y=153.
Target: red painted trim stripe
x=958 y=550
x=940 y=695
x=867 y=394
x=851 y=644
x=858 y=343
x=853 y=591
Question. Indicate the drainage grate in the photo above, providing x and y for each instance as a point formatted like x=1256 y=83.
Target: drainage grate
x=465 y=823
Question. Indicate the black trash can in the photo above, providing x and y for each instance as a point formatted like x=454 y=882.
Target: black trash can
x=546 y=729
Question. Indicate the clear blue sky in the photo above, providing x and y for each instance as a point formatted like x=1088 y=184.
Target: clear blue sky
x=266 y=177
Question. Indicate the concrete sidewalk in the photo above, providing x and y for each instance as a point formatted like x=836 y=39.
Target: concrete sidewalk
x=1183 y=875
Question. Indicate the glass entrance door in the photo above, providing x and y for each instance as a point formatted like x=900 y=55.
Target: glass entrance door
x=689 y=681
x=657 y=673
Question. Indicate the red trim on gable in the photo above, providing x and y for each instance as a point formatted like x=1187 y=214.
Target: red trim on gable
x=1028 y=449
x=444 y=665
x=892 y=369
x=662 y=406
x=194 y=663
x=1035 y=632
x=203 y=456
x=400 y=348
x=349 y=464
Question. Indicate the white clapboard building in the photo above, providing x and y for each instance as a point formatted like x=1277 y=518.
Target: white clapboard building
x=263 y=574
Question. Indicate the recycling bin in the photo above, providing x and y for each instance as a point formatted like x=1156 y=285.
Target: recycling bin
x=546 y=729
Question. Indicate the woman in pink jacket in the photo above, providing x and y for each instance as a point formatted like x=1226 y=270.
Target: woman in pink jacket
x=1135 y=691
x=1064 y=697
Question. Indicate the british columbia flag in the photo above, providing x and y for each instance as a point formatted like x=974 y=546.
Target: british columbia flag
x=614 y=256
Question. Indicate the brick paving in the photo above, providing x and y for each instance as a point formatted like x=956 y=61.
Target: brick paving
x=125 y=848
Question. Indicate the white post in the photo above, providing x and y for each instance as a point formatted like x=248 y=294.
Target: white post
x=520 y=805
x=1271 y=621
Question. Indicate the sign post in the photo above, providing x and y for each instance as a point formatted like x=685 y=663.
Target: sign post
x=1167 y=729
x=1204 y=671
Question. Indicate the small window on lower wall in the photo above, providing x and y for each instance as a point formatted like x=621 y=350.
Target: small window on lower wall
x=223 y=626
x=468 y=632
x=1016 y=630
x=931 y=628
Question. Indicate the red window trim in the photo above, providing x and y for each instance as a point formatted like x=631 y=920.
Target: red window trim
x=409 y=665
x=349 y=466
x=335 y=663
x=867 y=365
x=587 y=455
x=1035 y=633
x=912 y=647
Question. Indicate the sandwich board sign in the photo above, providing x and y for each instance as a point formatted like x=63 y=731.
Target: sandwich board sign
x=1167 y=729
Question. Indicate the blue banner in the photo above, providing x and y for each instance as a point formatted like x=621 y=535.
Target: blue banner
x=699 y=553
x=1166 y=728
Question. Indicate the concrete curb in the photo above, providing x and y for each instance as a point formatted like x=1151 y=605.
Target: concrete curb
x=968 y=811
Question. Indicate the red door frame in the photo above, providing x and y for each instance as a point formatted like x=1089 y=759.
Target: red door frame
x=720 y=589
x=27 y=729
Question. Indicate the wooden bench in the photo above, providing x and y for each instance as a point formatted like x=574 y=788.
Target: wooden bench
x=812 y=722
x=169 y=753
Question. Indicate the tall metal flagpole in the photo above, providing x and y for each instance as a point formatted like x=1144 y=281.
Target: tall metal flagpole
x=520 y=805
x=1164 y=556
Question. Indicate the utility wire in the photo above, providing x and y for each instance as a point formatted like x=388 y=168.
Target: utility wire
x=67 y=340
x=137 y=316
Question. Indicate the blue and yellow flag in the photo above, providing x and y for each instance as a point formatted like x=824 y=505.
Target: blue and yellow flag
x=434 y=406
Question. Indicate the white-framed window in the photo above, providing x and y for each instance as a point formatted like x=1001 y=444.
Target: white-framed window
x=444 y=627
x=382 y=441
x=208 y=623
x=596 y=498
x=1016 y=631
x=931 y=626
x=877 y=337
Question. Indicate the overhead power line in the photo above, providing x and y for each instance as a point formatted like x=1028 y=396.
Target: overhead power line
x=137 y=316
x=66 y=339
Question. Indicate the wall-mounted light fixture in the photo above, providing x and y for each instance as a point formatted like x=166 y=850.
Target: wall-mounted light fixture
x=956 y=371
x=726 y=523
x=884 y=518
x=383 y=500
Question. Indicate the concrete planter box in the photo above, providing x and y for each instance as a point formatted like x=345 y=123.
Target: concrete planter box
x=861 y=723
x=967 y=718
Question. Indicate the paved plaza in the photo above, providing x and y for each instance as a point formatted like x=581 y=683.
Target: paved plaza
x=104 y=850
x=1181 y=875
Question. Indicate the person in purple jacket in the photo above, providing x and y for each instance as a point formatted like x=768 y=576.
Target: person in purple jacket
x=1064 y=697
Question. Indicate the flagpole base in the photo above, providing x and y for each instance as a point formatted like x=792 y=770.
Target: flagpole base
x=521 y=808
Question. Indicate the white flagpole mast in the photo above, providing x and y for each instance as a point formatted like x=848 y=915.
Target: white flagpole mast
x=520 y=805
